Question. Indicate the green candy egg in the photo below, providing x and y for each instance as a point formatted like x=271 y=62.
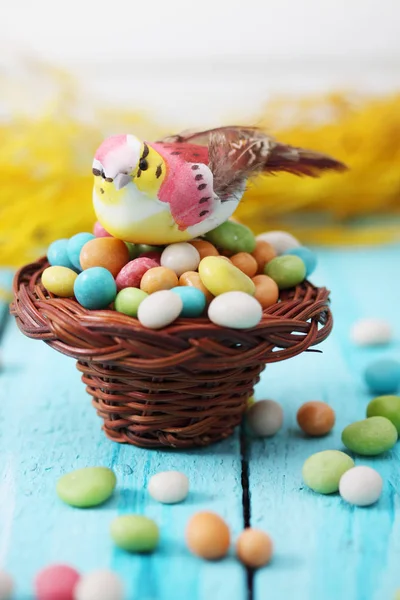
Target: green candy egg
x=86 y=487
x=287 y=271
x=135 y=533
x=132 y=249
x=128 y=301
x=322 y=471
x=232 y=236
x=370 y=437
x=386 y=406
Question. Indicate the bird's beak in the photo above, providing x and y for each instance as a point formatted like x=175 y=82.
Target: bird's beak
x=121 y=180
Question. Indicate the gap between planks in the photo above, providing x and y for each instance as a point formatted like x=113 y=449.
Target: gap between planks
x=246 y=503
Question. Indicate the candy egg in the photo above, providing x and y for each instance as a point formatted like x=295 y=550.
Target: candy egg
x=86 y=487
x=180 y=257
x=316 y=418
x=322 y=471
x=193 y=299
x=361 y=486
x=158 y=278
x=107 y=252
x=128 y=301
x=263 y=253
x=6 y=585
x=208 y=536
x=371 y=332
x=99 y=585
x=57 y=254
x=131 y=274
x=279 y=240
x=99 y=230
x=160 y=309
x=308 y=257
x=204 y=248
x=245 y=262
x=236 y=310
x=386 y=406
x=75 y=245
x=286 y=271
x=144 y=248
x=135 y=533
x=169 y=487
x=95 y=288
x=154 y=255
x=132 y=249
x=232 y=236
x=370 y=437
x=383 y=376
x=254 y=548
x=56 y=582
x=267 y=291
x=59 y=281
x=264 y=418
x=192 y=279
x=220 y=276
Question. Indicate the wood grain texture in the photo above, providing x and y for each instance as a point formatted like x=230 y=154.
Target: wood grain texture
x=324 y=548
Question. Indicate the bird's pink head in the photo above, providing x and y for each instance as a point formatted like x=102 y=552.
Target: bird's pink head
x=116 y=158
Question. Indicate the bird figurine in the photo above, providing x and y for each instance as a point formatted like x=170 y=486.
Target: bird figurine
x=183 y=186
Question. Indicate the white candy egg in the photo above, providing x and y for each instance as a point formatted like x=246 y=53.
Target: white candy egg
x=6 y=585
x=159 y=309
x=180 y=257
x=237 y=310
x=169 y=487
x=264 y=418
x=279 y=240
x=361 y=486
x=371 y=332
x=99 y=585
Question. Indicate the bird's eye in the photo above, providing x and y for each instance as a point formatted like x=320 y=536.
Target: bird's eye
x=96 y=172
x=143 y=164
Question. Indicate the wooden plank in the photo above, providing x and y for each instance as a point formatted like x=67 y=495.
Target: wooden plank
x=325 y=548
x=48 y=427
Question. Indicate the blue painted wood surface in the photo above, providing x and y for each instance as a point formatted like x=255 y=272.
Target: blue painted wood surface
x=325 y=549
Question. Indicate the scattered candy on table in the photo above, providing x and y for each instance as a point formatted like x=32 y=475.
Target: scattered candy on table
x=322 y=471
x=264 y=418
x=169 y=487
x=99 y=585
x=316 y=418
x=56 y=582
x=370 y=437
x=6 y=585
x=383 y=376
x=361 y=486
x=208 y=536
x=86 y=487
x=135 y=533
x=386 y=406
x=254 y=548
x=371 y=332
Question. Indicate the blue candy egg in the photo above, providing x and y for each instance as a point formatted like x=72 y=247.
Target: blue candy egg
x=307 y=256
x=95 y=288
x=383 y=376
x=193 y=299
x=75 y=245
x=57 y=254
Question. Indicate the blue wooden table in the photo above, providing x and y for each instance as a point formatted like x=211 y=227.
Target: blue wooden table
x=325 y=549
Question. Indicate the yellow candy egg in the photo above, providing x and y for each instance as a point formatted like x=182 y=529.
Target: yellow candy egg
x=220 y=276
x=59 y=281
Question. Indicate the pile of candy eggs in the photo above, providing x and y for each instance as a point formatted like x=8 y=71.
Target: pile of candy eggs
x=229 y=275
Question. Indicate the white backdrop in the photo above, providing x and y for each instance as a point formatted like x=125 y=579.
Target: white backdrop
x=188 y=61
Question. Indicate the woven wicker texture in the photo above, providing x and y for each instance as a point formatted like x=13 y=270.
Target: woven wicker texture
x=186 y=385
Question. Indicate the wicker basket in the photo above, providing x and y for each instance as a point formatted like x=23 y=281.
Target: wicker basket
x=184 y=386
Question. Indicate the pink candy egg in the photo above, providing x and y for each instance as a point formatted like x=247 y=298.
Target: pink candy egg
x=56 y=582
x=154 y=255
x=99 y=230
x=131 y=274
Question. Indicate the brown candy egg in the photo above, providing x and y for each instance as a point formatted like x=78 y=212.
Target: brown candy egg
x=208 y=536
x=107 y=252
x=158 y=278
x=267 y=291
x=193 y=278
x=254 y=548
x=316 y=418
x=263 y=253
x=245 y=262
x=204 y=248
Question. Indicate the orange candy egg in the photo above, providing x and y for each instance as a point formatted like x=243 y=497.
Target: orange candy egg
x=245 y=262
x=204 y=248
x=158 y=278
x=263 y=253
x=267 y=291
x=254 y=548
x=208 y=536
x=193 y=278
x=316 y=418
x=107 y=252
